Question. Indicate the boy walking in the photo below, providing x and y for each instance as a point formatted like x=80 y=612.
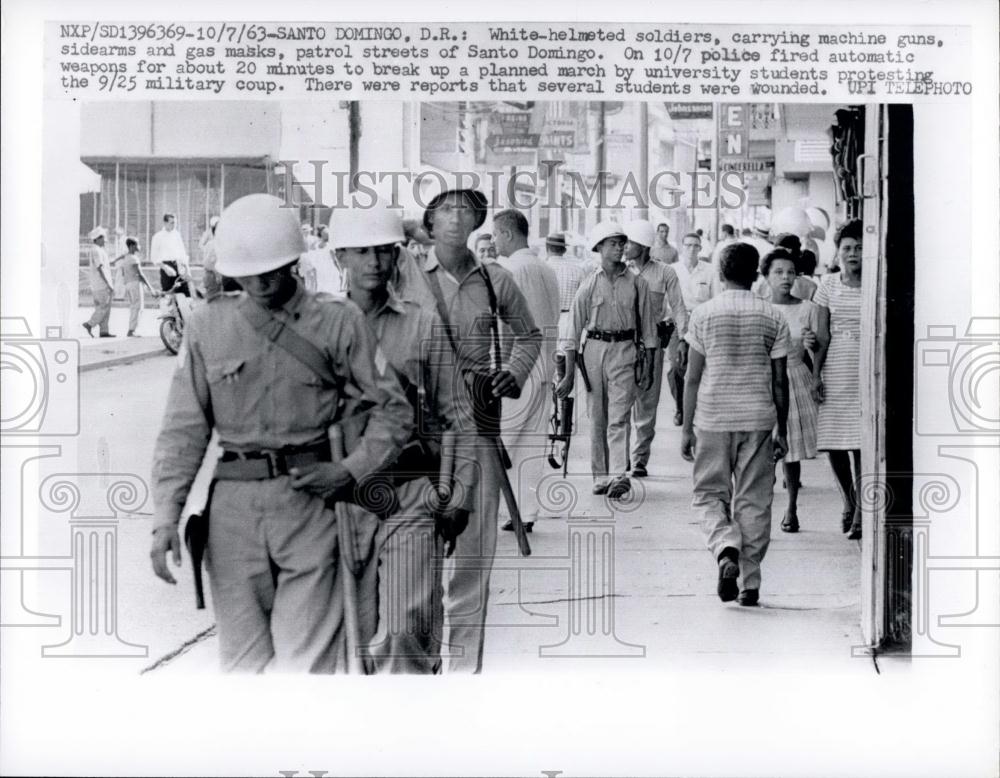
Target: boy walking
x=736 y=397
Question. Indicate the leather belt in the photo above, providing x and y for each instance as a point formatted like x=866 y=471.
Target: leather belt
x=610 y=336
x=260 y=465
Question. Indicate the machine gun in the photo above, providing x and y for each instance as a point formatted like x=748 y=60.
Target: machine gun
x=561 y=422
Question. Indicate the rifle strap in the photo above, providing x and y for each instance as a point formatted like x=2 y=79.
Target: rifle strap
x=442 y=307
x=288 y=340
x=435 y=285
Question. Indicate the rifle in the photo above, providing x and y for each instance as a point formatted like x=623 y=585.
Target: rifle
x=562 y=419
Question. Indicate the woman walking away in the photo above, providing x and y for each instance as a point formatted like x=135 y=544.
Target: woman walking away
x=835 y=371
x=779 y=268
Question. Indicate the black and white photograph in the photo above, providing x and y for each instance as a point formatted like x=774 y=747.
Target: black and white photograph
x=639 y=378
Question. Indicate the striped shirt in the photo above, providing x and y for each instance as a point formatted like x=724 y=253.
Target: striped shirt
x=738 y=334
x=570 y=275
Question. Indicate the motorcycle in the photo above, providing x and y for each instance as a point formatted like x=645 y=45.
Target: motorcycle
x=175 y=307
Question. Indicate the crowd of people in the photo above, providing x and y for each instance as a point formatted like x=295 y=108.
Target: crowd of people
x=378 y=390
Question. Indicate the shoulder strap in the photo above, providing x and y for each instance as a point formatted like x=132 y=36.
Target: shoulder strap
x=435 y=285
x=287 y=339
x=637 y=335
x=494 y=315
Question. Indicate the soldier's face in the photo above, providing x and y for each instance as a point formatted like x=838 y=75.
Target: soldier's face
x=633 y=250
x=612 y=249
x=369 y=267
x=454 y=220
x=269 y=289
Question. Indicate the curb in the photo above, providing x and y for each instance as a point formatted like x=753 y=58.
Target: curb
x=124 y=360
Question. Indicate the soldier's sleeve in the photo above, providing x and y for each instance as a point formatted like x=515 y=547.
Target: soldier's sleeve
x=390 y=420
x=579 y=314
x=527 y=338
x=646 y=317
x=676 y=301
x=447 y=395
x=184 y=434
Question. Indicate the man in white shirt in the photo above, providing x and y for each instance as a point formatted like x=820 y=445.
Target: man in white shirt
x=700 y=282
x=321 y=272
x=100 y=284
x=728 y=236
x=523 y=426
x=168 y=253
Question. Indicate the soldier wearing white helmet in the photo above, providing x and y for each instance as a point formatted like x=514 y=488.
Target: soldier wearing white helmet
x=664 y=289
x=269 y=371
x=615 y=308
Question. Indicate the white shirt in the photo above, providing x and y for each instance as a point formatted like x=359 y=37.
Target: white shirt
x=321 y=272
x=718 y=249
x=99 y=260
x=698 y=285
x=168 y=245
x=540 y=287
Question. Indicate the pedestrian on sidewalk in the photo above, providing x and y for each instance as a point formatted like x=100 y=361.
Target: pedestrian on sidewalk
x=663 y=250
x=614 y=306
x=802 y=318
x=735 y=421
x=101 y=287
x=168 y=253
x=524 y=425
x=570 y=274
x=665 y=295
x=272 y=538
x=403 y=632
x=134 y=280
x=835 y=371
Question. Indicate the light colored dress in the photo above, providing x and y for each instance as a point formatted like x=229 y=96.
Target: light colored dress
x=839 y=427
x=802 y=413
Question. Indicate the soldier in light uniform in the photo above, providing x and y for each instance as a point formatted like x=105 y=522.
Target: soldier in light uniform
x=605 y=306
x=272 y=546
x=404 y=576
x=664 y=288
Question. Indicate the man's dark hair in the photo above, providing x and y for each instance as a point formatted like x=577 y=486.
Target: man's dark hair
x=805 y=263
x=851 y=229
x=484 y=236
x=728 y=229
x=511 y=219
x=167 y=217
x=691 y=235
x=746 y=231
x=663 y=224
x=131 y=243
x=773 y=256
x=738 y=262
x=789 y=241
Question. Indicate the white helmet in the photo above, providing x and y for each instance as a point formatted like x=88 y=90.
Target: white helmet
x=375 y=226
x=641 y=231
x=602 y=231
x=257 y=234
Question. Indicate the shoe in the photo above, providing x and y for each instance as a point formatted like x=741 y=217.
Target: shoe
x=86 y=326
x=601 y=488
x=619 y=488
x=678 y=419
x=749 y=597
x=854 y=531
x=639 y=471
x=131 y=334
x=508 y=526
x=106 y=335
x=729 y=571
x=790 y=523
x=846 y=520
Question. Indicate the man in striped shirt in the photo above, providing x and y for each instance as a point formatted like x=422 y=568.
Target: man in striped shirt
x=570 y=274
x=736 y=397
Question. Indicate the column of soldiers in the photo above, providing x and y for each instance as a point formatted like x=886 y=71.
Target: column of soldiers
x=352 y=518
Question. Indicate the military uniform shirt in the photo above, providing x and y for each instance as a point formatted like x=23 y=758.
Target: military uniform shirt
x=606 y=303
x=258 y=396
x=666 y=292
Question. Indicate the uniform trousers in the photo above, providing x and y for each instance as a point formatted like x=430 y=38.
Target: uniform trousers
x=676 y=372
x=644 y=413
x=467 y=571
x=272 y=561
x=733 y=489
x=102 y=309
x=133 y=293
x=610 y=367
x=400 y=590
x=524 y=429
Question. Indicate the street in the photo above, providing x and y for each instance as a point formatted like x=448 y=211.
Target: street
x=606 y=586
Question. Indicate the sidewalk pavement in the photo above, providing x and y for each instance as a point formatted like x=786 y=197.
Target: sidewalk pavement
x=98 y=352
x=629 y=586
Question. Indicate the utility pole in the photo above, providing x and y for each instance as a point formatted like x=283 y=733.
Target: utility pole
x=601 y=159
x=354 y=137
x=644 y=158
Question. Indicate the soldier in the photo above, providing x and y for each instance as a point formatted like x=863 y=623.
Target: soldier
x=470 y=296
x=614 y=307
x=663 y=288
x=405 y=575
x=268 y=369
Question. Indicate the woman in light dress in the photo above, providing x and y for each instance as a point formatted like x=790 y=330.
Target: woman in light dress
x=779 y=268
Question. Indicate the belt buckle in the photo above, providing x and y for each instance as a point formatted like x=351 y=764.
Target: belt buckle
x=276 y=464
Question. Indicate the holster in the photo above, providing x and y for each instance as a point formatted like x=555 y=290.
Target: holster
x=196 y=540
x=665 y=331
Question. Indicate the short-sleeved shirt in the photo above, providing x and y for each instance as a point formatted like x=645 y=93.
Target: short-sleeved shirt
x=99 y=260
x=570 y=274
x=665 y=289
x=130 y=269
x=698 y=285
x=738 y=334
x=664 y=252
